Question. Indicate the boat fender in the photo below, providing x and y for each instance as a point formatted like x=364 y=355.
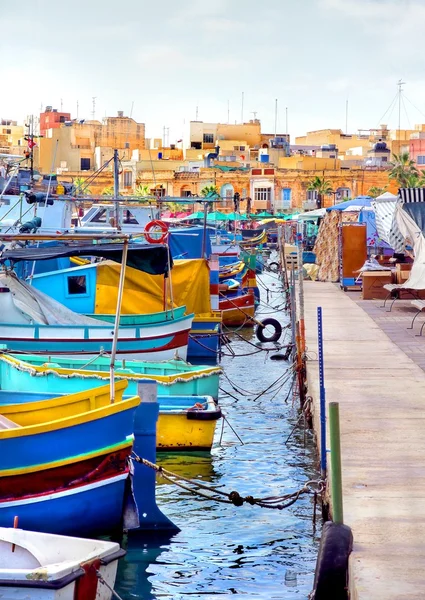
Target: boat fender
x=260 y=330
x=156 y=225
x=331 y=575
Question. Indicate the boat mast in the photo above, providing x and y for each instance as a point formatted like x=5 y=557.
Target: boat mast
x=116 y=190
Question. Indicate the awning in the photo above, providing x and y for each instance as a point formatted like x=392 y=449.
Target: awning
x=152 y=258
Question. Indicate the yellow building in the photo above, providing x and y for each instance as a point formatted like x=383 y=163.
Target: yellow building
x=79 y=146
x=343 y=141
x=12 y=140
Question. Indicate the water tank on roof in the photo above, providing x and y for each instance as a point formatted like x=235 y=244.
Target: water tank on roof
x=264 y=158
x=380 y=147
x=159 y=155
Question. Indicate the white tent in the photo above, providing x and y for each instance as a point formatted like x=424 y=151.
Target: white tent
x=312 y=214
x=386 y=224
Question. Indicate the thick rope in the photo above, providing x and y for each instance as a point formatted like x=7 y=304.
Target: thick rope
x=213 y=493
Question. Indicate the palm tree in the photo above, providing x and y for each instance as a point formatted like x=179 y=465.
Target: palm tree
x=209 y=191
x=322 y=186
x=143 y=191
x=79 y=186
x=404 y=170
x=108 y=191
x=375 y=191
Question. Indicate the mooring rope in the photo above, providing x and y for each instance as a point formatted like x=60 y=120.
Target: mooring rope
x=233 y=497
x=104 y=582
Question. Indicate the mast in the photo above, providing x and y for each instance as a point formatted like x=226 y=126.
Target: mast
x=275 y=118
x=400 y=91
x=116 y=190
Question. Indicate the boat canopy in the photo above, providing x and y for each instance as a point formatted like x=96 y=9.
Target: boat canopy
x=152 y=258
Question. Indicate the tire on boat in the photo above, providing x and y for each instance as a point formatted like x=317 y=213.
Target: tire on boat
x=263 y=336
x=331 y=576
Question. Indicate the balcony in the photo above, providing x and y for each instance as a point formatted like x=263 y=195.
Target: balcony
x=310 y=205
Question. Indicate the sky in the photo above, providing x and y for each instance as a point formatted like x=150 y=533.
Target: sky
x=165 y=62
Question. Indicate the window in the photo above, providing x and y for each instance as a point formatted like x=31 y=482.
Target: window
x=263 y=193
x=421 y=160
x=159 y=192
x=286 y=194
x=77 y=285
x=312 y=195
x=185 y=194
x=85 y=164
x=208 y=138
x=128 y=178
x=100 y=217
x=61 y=119
x=129 y=218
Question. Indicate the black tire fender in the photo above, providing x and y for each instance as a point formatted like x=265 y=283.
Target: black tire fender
x=260 y=330
x=331 y=577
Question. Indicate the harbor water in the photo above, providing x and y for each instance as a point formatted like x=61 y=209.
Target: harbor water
x=223 y=550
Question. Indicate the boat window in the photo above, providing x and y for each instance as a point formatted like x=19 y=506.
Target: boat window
x=77 y=284
x=129 y=218
x=100 y=217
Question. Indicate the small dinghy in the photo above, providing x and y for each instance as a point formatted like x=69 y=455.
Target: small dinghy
x=40 y=565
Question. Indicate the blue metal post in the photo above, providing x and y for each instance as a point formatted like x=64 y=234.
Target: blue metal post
x=322 y=394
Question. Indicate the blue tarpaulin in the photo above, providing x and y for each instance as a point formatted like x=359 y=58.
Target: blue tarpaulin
x=187 y=242
x=363 y=201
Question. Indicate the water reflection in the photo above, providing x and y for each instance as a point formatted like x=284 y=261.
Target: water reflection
x=223 y=550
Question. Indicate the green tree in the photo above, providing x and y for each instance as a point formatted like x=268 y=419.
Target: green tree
x=322 y=186
x=404 y=170
x=80 y=187
x=142 y=192
x=375 y=191
x=209 y=191
x=108 y=191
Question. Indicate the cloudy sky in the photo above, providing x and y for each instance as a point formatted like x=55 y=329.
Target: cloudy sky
x=162 y=59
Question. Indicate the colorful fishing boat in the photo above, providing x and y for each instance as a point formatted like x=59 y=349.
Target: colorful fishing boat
x=238 y=309
x=185 y=422
x=45 y=433
x=174 y=377
x=92 y=289
x=34 y=322
x=36 y=565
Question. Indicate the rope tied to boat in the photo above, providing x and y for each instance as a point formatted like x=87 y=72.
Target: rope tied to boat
x=233 y=497
x=104 y=582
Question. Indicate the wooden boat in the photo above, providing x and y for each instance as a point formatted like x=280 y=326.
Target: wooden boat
x=94 y=508
x=37 y=565
x=238 y=309
x=185 y=422
x=174 y=377
x=31 y=321
x=44 y=433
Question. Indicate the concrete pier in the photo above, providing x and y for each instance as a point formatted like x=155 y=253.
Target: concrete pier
x=381 y=391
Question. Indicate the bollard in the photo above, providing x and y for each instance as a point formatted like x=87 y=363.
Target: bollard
x=322 y=394
x=144 y=479
x=336 y=475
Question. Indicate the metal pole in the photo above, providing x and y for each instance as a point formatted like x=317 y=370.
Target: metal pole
x=322 y=395
x=301 y=293
x=117 y=318
x=204 y=236
x=336 y=472
x=116 y=190
x=293 y=314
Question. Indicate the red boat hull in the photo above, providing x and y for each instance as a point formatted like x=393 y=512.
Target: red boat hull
x=238 y=310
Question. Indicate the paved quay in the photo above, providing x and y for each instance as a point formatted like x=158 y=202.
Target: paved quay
x=374 y=367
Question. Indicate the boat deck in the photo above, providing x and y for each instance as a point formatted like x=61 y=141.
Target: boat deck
x=374 y=367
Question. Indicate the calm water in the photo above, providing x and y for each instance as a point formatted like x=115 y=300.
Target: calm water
x=223 y=550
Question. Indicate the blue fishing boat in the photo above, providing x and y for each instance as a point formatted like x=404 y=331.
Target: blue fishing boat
x=34 y=322
x=192 y=283
x=185 y=422
x=32 y=372
x=49 y=431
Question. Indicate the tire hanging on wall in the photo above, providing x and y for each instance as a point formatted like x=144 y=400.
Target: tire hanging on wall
x=260 y=330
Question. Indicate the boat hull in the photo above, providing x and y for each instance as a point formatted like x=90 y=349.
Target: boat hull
x=161 y=341
x=175 y=378
x=92 y=509
x=204 y=340
x=238 y=310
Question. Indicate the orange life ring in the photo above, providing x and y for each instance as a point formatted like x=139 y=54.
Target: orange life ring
x=156 y=225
